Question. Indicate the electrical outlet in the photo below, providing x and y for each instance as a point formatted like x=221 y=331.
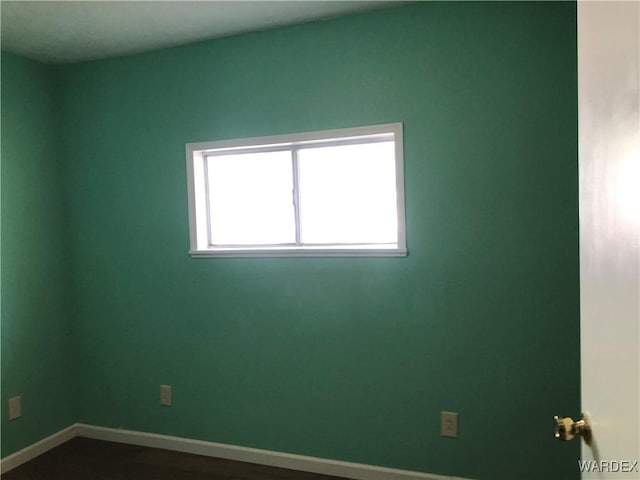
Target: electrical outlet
x=15 y=407
x=449 y=424
x=165 y=395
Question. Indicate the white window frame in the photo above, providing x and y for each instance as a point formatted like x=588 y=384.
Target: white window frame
x=198 y=218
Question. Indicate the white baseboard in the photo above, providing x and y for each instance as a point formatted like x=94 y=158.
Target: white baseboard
x=38 y=448
x=323 y=466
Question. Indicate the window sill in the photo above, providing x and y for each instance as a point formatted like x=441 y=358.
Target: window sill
x=298 y=252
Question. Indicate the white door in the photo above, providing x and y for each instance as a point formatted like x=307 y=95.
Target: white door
x=609 y=158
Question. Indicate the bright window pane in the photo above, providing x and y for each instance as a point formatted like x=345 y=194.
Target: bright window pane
x=348 y=194
x=250 y=199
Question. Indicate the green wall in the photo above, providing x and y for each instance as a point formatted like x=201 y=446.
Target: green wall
x=349 y=359
x=37 y=348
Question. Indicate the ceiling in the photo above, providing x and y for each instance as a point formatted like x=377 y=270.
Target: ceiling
x=60 y=32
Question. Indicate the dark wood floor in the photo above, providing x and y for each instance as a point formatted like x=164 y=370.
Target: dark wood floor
x=86 y=459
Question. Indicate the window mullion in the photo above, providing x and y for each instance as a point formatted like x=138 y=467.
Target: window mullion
x=296 y=193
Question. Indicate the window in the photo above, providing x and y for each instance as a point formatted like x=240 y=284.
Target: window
x=327 y=193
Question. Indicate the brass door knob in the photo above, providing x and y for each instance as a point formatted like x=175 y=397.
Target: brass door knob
x=566 y=428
